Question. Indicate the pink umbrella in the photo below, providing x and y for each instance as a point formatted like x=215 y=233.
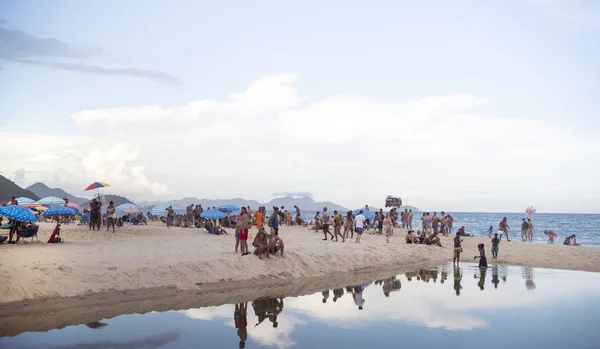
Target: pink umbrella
x=72 y=205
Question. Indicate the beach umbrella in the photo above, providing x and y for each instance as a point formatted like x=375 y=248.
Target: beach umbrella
x=59 y=211
x=31 y=205
x=73 y=206
x=368 y=214
x=18 y=213
x=22 y=200
x=131 y=210
x=213 y=214
x=124 y=206
x=160 y=209
x=228 y=208
x=97 y=185
x=51 y=200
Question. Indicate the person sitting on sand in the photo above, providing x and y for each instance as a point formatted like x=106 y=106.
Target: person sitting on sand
x=275 y=244
x=433 y=239
x=410 y=237
x=571 y=241
x=261 y=244
x=461 y=232
x=482 y=259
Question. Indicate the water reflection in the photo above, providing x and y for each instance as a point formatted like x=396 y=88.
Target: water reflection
x=419 y=298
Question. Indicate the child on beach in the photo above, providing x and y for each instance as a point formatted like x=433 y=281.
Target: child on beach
x=482 y=259
x=387 y=223
x=495 y=245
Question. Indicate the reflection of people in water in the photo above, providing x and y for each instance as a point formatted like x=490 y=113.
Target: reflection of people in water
x=391 y=284
x=325 y=296
x=495 y=279
x=444 y=276
x=358 y=298
x=482 y=276
x=267 y=307
x=457 y=279
x=527 y=274
x=338 y=293
x=241 y=322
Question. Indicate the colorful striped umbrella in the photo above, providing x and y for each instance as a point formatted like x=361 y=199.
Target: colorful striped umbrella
x=97 y=185
x=31 y=204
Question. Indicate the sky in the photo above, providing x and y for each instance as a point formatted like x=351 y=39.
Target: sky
x=457 y=106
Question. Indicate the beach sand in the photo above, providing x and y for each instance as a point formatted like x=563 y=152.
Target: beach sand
x=149 y=257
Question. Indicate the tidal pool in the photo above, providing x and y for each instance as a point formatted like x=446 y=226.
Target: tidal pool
x=445 y=307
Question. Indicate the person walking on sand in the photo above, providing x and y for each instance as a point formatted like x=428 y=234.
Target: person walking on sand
x=524 y=229
x=495 y=245
x=274 y=222
x=243 y=223
x=410 y=219
x=359 y=222
x=457 y=250
x=170 y=213
x=387 y=223
x=111 y=217
x=348 y=225
x=504 y=228
x=490 y=231
x=530 y=230
x=326 y=220
x=337 y=226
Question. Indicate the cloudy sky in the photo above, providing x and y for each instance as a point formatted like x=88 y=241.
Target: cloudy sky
x=464 y=105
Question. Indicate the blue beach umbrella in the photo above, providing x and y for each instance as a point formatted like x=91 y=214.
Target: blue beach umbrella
x=368 y=214
x=59 y=211
x=213 y=214
x=124 y=206
x=228 y=208
x=160 y=209
x=51 y=200
x=23 y=200
x=18 y=213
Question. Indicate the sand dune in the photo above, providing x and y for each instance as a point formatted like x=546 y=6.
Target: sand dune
x=153 y=256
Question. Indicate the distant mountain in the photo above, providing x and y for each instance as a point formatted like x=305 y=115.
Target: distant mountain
x=305 y=203
x=116 y=199
x=42 y=190
x=8 y=189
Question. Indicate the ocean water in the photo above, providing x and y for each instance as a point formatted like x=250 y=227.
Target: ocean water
x=495 y=308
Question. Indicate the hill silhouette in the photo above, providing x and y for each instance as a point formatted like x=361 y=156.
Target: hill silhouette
x=42 y=190
x=8 y=189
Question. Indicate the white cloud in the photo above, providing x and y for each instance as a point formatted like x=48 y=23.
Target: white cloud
x=435 y=151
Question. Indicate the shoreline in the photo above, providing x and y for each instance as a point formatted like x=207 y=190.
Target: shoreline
x=151 y=262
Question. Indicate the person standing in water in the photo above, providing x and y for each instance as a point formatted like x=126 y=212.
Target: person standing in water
x=457 y=250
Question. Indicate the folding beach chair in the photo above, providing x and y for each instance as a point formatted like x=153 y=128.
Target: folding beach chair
x=31 y=231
